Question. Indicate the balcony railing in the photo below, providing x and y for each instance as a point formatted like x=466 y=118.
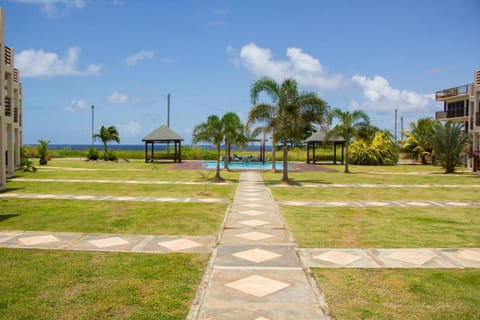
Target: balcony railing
x=16 y=75
x=8 y=107
x=15 y=115
x=477 y=77
x=477 y=117
x=439 y=115
x=8 y=56
x=446 y=93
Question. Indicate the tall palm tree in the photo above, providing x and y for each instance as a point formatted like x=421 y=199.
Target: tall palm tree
x=347 y=128
x=232 y=128
x=289 y=111
x=210 y=131
x=106 y=135
x=449 y=142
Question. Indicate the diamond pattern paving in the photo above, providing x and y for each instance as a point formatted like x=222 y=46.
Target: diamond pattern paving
x=257 y=286
x=252 y=212
x=338 y=257
x=252 y=205
x=108 y=242
x=411 y=257
x=257 y=255
x=38 y=240
x=179 y=244
x=255 y=236
x=470 y=255
x=254 y=223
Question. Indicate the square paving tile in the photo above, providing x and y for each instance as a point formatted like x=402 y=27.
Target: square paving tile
x=337 y=258
x=179 y=244
x=251 y=212
x=253 y=237
x=109 y=242
x=411 y=258
x=471 y=255
x=254 y=222
x=257 y=286
x=257 y=255
x=468 y=258
x=35 y=240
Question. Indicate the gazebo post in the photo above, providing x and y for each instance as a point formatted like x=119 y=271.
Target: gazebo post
x=146 y=151
x=313 y=153
x=334 y=153
x=308 y=152
x=179 y=151
x=343 y=159
x=153 y=142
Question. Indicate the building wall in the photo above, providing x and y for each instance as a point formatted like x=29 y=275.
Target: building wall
x=11 y=112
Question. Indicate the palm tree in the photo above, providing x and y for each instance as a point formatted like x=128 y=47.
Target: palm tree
x=232 y=128
x=289 y=112
x=210 y=131
x=350 y=124
x=418 y=138
x=448 y=142
x=106 y=135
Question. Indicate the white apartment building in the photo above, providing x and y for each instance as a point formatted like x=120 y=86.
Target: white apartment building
x=10 y=110
x=462 y=104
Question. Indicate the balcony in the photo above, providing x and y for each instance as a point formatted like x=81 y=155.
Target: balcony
x=15 y=115
x=8 y=56
x=452 y=114
x=452 y=92
x=16 y=75
x=8 y=107
x=477 y=119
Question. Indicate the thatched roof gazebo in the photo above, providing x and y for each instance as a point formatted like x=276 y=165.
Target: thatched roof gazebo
x=163 y=135
x=319 y=138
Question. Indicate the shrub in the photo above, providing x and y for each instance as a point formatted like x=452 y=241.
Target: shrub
x=93 y=154
x=381 y=151
x=110 y=156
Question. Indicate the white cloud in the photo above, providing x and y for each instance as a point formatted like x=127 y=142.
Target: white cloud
x=137 y=57
x=39 y=63
x=55 y=7
x=130 y=129
x=117 y=98
x=304 y=68
x=76 y=105
x=380 y=96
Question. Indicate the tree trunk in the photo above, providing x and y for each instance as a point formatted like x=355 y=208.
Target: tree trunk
x=346 y=157
x=217 y=174
x=274 y=169
x=105 y=146
x=285 y=161
x=227 y=156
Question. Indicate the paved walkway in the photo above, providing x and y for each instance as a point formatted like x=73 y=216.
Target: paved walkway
x=255 y=272
x=363 y=204
x=105 y=242
x=377 y=185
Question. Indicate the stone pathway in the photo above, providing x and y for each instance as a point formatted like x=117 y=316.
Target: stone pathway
x=382 y=186
x=107 y=198
x=363 y=204
x=106 y=242
x=120 y=181
x=255 y=272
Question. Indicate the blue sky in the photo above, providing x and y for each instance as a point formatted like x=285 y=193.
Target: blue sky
x=125 y=56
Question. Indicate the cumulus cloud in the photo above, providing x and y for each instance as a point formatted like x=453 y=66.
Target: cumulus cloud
x=40 y=63
x=380 y=96
x=307 y=70
x=139 y=56
x=76 y=105
x=117 y=98
x=130 y=129
x=55 y=7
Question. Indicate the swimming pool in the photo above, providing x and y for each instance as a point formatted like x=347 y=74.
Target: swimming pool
x=243 y=165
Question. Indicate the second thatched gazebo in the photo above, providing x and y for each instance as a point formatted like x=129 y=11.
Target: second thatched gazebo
x=166 y=136
x=319 y=138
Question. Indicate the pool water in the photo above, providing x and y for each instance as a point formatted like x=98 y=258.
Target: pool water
x=243 y=165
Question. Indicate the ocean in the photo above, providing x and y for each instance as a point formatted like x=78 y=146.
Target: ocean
x=112 y=146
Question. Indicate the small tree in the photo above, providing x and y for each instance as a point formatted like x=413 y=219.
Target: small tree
x=43 y=151
x=350 y=124
x=449 y=142
x=418 y=141
x=210 y=131
x=105 y=135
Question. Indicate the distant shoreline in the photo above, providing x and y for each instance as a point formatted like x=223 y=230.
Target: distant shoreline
x=135 y=147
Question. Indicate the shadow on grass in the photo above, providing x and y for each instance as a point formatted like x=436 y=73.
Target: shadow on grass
x=10 y=190
x=4 y=217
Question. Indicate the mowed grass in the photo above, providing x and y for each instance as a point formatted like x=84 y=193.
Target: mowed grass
x=376 y=194
x=398 y=294
x=42 y=284
x=123 y=189
x=122 y=217
x=384 y=227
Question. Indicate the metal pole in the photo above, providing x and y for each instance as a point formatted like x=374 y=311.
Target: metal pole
x=93 y=117
x=168 y=111
x=401 y=127
x=395 y=126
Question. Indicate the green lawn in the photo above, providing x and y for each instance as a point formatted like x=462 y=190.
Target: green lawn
x=384 y=227
x=41 y=284
x=123 y=189
x=112 y=217
x=401 y=294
